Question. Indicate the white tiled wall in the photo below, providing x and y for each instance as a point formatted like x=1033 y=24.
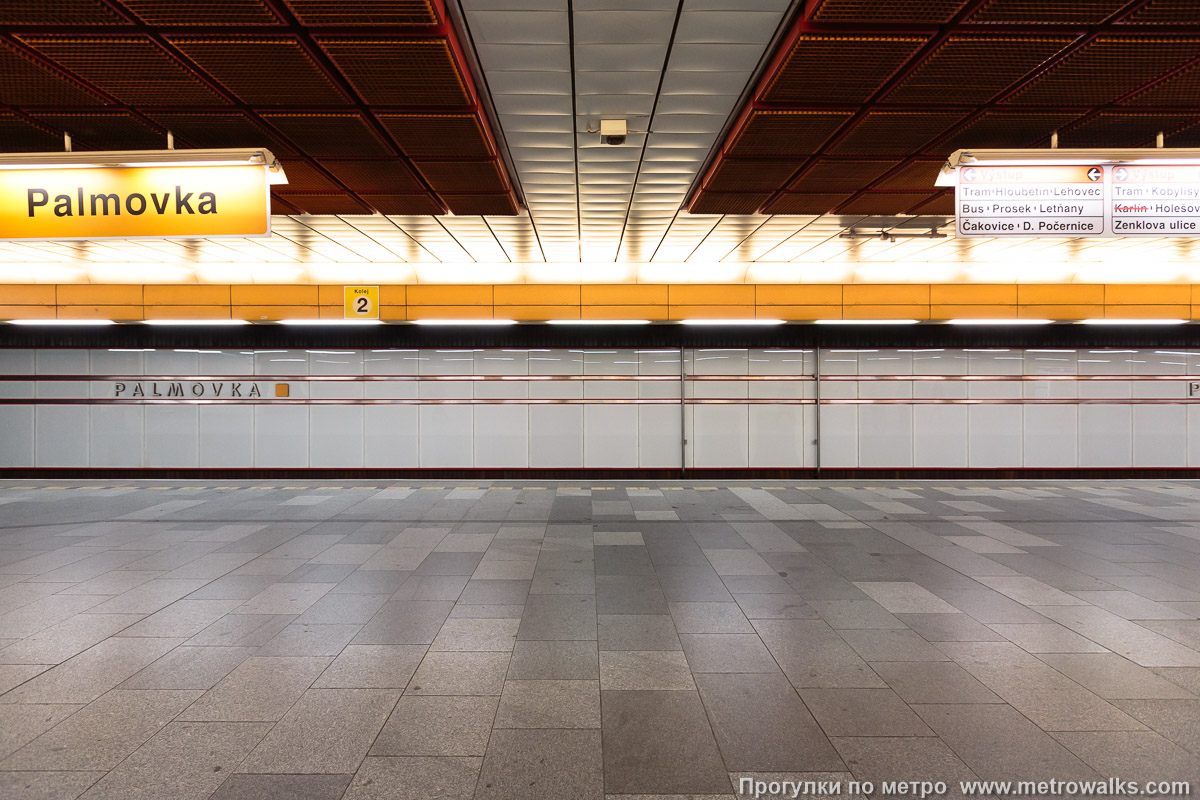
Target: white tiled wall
x=556 y=408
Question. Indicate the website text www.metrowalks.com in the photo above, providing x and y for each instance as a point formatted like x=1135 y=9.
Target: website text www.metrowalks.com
x=1112 y=787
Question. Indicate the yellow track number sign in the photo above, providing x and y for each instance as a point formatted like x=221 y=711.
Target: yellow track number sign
x=135 y=202
x=362 y=302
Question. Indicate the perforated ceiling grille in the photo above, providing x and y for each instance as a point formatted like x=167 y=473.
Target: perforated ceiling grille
x=872 y=95
x=134 y=70
x=843 y=68
x=399 y=72
x=363 y=12
x=203 y=13
x=345 y=92
x=992 y=62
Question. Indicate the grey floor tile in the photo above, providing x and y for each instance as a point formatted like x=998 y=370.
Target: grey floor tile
x=184 y=760
x=1134 y=755
x=909 y=758
x=892 y=645
x=57 y=643
x=998 y=743
x=93 y=672
x=372 y=666
x=310 y=639
x=629 y=594
x=1115 y=678
x=275 y=787
x=709 y=617
x=20 y=724
x=560 y=763
x=555 y=617
x=189 y=668
x=103 y=734
x=1177 y=720
x=477 y=634
x=405 y=622
x=50 y=785
x=933 y=682
x=437 y=726
x=949 y=628
x=258 y=690
x=13 y=675
x=762 y=726
x=549 y=704
x=460 y=673
x=637 y=632
x=1049 y=637
x=863 y=712
x=727 y=652
x=554 y=661
x=662 y=670
x=856 y=615
x=778 y=605
x=812 y=654
x=484 y=592
x=905 y=597
x=327 y=731
x=659 y=743
x=391 y=778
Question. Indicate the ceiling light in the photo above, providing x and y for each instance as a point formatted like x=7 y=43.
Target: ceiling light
x=473 y=322
x=1133 y=321
x=865 y=321
x=147 y=158
x=1000 y=321
x=339 y=322
x=62 y=322
x=598 y=321
x=732 y=321
x=195 y=322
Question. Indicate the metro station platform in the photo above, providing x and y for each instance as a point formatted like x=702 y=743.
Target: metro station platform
x=550 y=640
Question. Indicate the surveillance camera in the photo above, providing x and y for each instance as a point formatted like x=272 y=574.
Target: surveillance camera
x=612 y=131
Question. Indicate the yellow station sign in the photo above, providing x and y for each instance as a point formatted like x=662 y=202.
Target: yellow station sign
x=135 y=202
x=362 y=302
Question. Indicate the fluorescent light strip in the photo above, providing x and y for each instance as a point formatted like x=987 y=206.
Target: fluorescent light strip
x=598 y=322
x=1000 y=321
x=732 y=321
x=205 y=322
x=472 y=322
x=865 y=321
x=331 y=322
x=62 y=322
x=1133 y=321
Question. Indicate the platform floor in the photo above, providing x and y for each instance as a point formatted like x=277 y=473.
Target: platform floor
x=557 y=641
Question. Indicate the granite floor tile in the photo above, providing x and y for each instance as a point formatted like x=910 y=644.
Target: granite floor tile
x=274 y=787
x=812 y=654
x=485 y=592
x=908 y=758
x=460 y=673
x=392 y=778
x=189 y=668
x=20 y=724
x=554 y=617
x=563 y=764
x=762 y=726
x=437 y=726
x=1177 y=720
x=83 y=678
x=555 y=660
x=629 y=594
x=49 y=785
x=1115 y=678
x=659 y=743
x=327 y=731
x=1134 y=755
x=709 y=617
x=727 y=652
x=477 y=634
x=549 y=704
x=933 y=682
x=662 y=670
x=372 y=666
x=61 y=641
x=185 y=760
x=310 y=639
x=891 y=645
x=257 y=690
x=101 y=735
x=637 y=632
x=405 y=622
x=13 y=675
x=863 y=712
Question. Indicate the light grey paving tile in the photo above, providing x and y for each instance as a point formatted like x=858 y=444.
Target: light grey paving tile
x=115 y=582
x=241 y=630
x=59 y=642
x=1030 y=591
x=812 y=654
x=13 y=675
x=257 y=690
x=463 y=611
x=856 y=614
x=460 y=673
x=184 y=618
x=659 y=743
x=775 y=605
x=549 y=704
x=20 y=724
x=659 y=670
x=708 y=617
x=933 y=682
x=344 y=608
x=1177 y=720
x=148 y=597
x=1129 y=605
x=561 y=763
x=327 y=731
x=903 y=758
x=103 y=734
x=637 y=632
x=1186 y=632
x=285 y=598
x=1187 y=677
x=46 y=785
x=1115 y=678
x=891 y=645
x=863 y=712
x=461 y=543
x=300 y=639
x=477 y=634
x=184 y=760
x=372 y=666
x=1134 y=755
x=1138 y=644
x=274 y=787
x=1049 y=637
x=405 y=622
x=727 y=652
x=390 y=778
x=85 y=677
x=189 y=668
x=437 y=726
x=998 y=743
x=737 y=562
x=905 y=597
x=45 y=612
x=485 y=592
x=554 y=661
x=618 y=538
x=761 y=725
x=553 y=617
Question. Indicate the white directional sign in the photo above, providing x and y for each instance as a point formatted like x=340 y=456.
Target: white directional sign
x=1113 y=199
x=1033 y=200
x=1160 y=200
